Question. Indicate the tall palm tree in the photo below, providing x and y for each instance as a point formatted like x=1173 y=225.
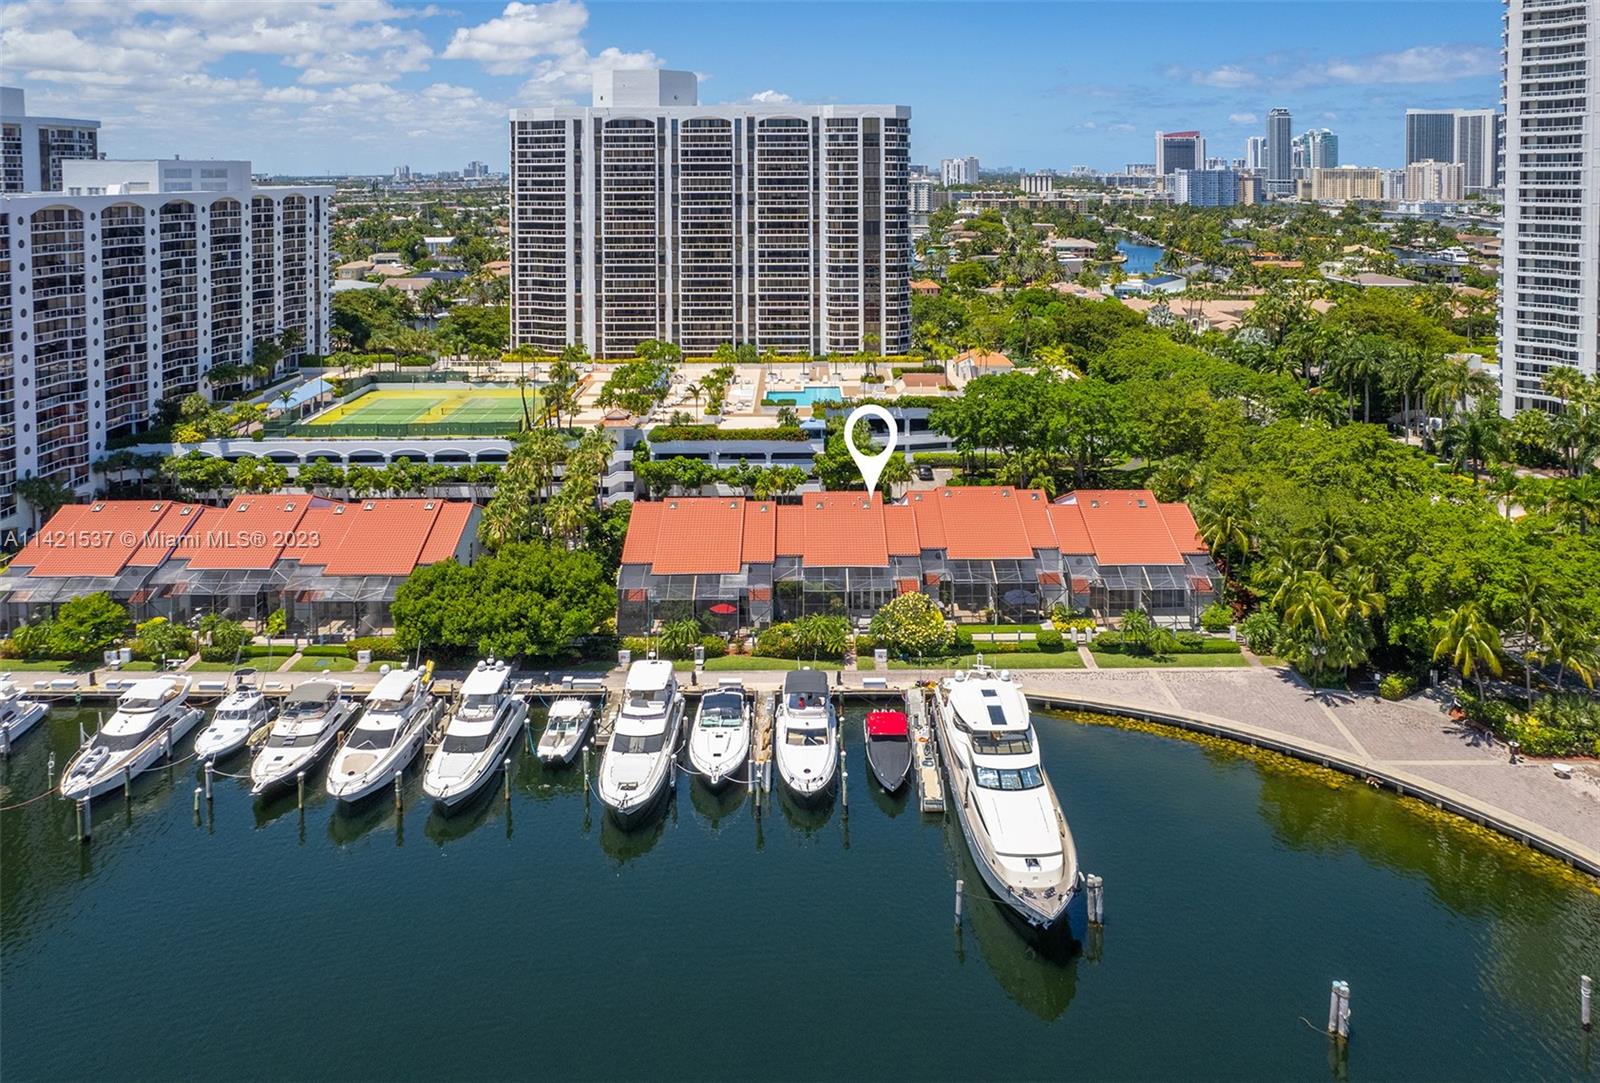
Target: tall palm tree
x=1472 y=438
x=1403 y=369
x=1534 y=616
x=1576 y=501
x=1470 y=642
x=1503 y=486
x=1227 y=527
x=1571 y=646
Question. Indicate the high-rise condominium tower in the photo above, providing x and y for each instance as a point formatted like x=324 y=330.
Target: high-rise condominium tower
x=1280 y=153
x=649 y=216
x=1467 y=136
x=1179 y=150
x=1550 y=257
x=954 y=171
x=33 y=148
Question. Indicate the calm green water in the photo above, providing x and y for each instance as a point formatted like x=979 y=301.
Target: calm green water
x=541 y=940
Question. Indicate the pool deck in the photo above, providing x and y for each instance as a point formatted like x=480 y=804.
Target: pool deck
x=1413 y=746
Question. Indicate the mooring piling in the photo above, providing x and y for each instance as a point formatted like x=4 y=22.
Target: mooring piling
x=1339 y=1010
x=961 y=886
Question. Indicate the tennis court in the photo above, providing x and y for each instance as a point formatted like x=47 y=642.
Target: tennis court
x=500 y=406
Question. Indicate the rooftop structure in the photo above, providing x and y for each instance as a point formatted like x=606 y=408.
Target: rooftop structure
x=738 y=562
x=328 y=563
x=32 y=149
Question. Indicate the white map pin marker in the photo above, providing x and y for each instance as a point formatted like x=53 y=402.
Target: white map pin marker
x=871 y=466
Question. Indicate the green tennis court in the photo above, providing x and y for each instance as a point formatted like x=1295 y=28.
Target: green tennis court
x=392 y=406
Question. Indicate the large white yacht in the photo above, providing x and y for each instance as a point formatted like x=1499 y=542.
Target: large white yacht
x=719 y=741
x=133 y=738
x=307 y=725
x=393 y=725
x=806 y=741
x=637 y=766
x=1003 y=799
x=17 y=715
x=244 y=711
x=484 y=724
x=565 y=730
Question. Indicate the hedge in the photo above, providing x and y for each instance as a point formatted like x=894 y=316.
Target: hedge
x=383 y=648
x=1049 y=641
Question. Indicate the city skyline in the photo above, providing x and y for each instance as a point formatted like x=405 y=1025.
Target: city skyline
x=304 y=88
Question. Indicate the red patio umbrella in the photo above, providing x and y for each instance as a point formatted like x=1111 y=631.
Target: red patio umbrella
x=724 y=609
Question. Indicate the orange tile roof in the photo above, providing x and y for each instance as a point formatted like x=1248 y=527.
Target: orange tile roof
x=844 y=530
x=383 y=537
x=983 y=523
x=250 y=533
x=760 y=544
x=900 y=530
x=643 y=523
x=102 y=538
x=930 y=522
x=1181 y=525
x=1126 y=526
x=699 y=535
x=445 y=537
x=984 y=359
x=320 y=533
x=791 y=533
x=1071 y=533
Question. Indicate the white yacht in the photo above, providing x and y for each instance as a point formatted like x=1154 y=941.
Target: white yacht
x=637 y=766
x=565 y=731
x=309 y=722
x=393 y=725
x=484 y=725
x=133 y=738
x=244 y=711
x=17 y=715
x=719 y=740
x=806 y=737
x=1003 y=799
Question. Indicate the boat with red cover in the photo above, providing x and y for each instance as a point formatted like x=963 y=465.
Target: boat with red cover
x=888 y=740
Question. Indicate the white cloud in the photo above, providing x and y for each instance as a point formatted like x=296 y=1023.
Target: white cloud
x=1243 y=118
x=770 y=97
x=1419 y=64
x=1227 y=77
x=511 y=42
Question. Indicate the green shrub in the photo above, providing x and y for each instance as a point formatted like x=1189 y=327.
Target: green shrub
x=1110 y=642
x=1216 y=617
x=383 y=648
x=912 y=625
x=777 y=641
x=1191 y=642
x=638 y=646
x=224 y=639
x=865 y=645
x=714 y=646
x=1260 y=629
x=1050 y=641
x=1219 y=646
x=324 y=650
x=963 y=642
x=1397 y=686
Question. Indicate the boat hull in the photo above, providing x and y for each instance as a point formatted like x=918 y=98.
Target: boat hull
x=890 y=763
x=639 y=810
x=29 y=715
x=112 y=775
x=266 y=780
x=449 y=797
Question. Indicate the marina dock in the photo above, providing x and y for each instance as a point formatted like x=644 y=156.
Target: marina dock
x=930 y=783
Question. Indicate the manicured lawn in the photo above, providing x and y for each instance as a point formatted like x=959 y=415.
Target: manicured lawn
x=735 y=662
x=138 y=667
x=1129 y=661
x=47 y=666
x=997 y=660
x=203 y=666
x=989 y=629
x=316 y=664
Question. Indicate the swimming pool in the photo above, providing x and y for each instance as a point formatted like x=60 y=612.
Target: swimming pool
x=806 y=396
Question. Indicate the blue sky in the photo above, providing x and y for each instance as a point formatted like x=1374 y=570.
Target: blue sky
x=301 y=86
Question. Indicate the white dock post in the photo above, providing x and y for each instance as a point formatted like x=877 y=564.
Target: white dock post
x=585 y=769
x=398 y=806
x=960 y=888
x=50 y=773
x=197 y=804
x=211 y=769
x=166 y=744
x=83 y=819
x=1339 y=1011
x=506 y=769
x=844 y=785
x=1333 y=1008
x=5 y=741
x=127 y=784
x=1584 y=1001
x=300 y=789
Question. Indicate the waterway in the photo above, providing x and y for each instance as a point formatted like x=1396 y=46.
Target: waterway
x=1142 y=258
x=535 y=938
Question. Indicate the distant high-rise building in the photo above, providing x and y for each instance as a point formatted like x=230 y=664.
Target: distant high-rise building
x=1038 y=184
x=1318 y=149
x=402 y=172
x=33 y=148
x=954 y=171
x=142 y=282
x=1435 y=182
x=1280 y=153
x=475 y=171
x=1255 y=152
x=925 y=195
x=1179 y=150
x=1550 y=256
x=1205 y=187
x=1341 y=184
x=650 y=216
x=1468 y=136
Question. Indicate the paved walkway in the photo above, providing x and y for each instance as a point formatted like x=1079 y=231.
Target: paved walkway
x=1413 y=743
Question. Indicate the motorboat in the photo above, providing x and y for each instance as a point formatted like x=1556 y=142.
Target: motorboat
x=151 y=717
x=17 y=715
x=481 y=728
x=309 y=722
x=1003 y=799
x=888 y=741
x=394 y=722
x=636 y=768
x=244 y=711
x=806 y=741
x=719 y=740
x=565 y=731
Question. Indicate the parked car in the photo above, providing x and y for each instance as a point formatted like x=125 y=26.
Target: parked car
x=925 y=472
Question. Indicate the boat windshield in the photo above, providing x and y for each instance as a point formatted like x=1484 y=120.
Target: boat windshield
x=720 y=711
x=1011 y=743
x=292 y=740
x=647 y=701
x=304 y=708
x=237 y=714
x=386 y=706
x=807 y=701
x=130 y=705
x=119 y=742
x=623 y=742
x=458 y=743
x=565 y=724
x=1025 y=778
x=478 y=704
x=807 y=737
x=371 y=738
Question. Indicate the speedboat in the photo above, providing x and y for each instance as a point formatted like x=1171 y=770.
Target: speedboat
x=244 y=711
x=311 y=719
x=719 y=740
x=888 y=743
x=17 y=715
x=151 y=717
x=477 y=736
x=637 y=766
x=806 y=741
x=565 y=730
x=393 y=725
x=1003 y=799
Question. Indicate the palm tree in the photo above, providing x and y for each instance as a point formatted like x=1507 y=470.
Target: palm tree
x=1571 y=646
x=1227 y=527
x=1471 y=438
x=1532 y=591
x=1465 y=636
x=1503 y=486
x=694 y=391
x=1403 y=369
x=1576 y=501
x=1357 y=363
